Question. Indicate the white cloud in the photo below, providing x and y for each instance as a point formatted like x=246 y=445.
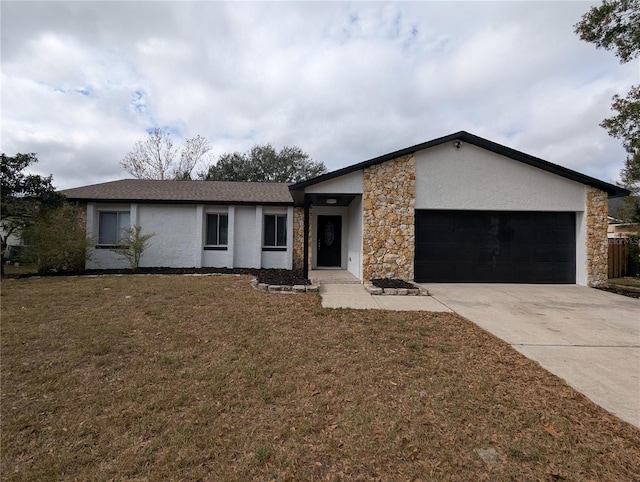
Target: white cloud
x=82 y=81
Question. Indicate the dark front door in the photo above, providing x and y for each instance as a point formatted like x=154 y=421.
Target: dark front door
x=499 y=247
x=329 y=241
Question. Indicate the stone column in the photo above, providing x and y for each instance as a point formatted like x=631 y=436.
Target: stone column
x=388 y=218
x=597 y=245
x=298 y=238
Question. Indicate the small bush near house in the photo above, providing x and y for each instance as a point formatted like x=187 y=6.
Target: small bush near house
x=134 y=244
x=59 y=240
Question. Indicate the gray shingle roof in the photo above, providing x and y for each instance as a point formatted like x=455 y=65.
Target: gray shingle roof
x=139 y=190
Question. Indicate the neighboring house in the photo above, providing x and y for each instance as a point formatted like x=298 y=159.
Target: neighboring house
x=15 y=245
x=456 y=209
x=617 y=227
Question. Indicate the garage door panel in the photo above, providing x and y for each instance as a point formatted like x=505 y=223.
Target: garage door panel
x=484 y=246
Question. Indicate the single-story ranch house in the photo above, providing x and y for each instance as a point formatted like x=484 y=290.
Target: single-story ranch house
x=455 y=209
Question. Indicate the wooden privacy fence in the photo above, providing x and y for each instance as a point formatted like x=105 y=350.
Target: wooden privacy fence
x=618 y=257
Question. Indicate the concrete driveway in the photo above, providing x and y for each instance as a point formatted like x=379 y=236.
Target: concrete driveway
x=588 y=337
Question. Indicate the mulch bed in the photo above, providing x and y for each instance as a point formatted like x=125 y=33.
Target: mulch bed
x=269 y=276
x=391 y=283
x=282 y=277
x=631 y=293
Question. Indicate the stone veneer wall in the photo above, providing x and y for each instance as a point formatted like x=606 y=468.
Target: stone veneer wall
x=298 y=237
x=388 y=231
x=597 y=244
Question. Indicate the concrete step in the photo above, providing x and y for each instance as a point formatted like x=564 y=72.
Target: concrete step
x=335 y=281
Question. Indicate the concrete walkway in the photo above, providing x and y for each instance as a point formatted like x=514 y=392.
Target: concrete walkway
x=355 y=296
x=589 y=338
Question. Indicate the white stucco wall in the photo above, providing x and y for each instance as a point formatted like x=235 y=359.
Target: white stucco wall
x=180 y=234
x=175 y=228
x=351 y=183
x=471 y=178
x=581 y=248
x=246 y=249
x=354 y=238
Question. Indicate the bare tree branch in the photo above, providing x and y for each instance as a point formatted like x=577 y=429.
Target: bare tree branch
x=194 y=151
x=156 y=158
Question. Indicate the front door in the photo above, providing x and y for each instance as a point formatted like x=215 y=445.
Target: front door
x=329 y=241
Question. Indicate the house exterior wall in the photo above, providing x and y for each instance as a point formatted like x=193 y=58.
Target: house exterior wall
x=469 y=178
x=474 y=178
x=180 y=236
x=175 y=227
x=352 y=183
x=298 y=238
x=597 y=247
x=246 y=254
x=388 y=220
x=354 y=238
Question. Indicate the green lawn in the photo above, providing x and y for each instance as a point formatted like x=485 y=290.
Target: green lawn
x=203 y=378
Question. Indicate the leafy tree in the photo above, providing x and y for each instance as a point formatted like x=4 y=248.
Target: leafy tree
x=22 y=195
x=156 y=157
x=615 y=25
x=264 y=164
x=626 y=126
x=134 y=244
x=60 y=241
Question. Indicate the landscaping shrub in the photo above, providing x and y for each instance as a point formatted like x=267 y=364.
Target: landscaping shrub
x=59 y=240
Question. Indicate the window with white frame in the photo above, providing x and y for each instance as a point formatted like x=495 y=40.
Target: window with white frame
x=112 y=226
x=217 y=230
x=275 y=231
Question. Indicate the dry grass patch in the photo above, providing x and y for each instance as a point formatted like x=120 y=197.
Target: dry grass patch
x=203 y=378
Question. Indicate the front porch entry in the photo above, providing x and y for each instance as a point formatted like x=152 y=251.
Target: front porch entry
x=332 y=233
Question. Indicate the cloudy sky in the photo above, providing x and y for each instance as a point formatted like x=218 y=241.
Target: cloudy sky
x=345 y=81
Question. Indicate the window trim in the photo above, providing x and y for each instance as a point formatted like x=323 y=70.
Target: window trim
x=117 y=244
x=215 y=247
x=275 y=247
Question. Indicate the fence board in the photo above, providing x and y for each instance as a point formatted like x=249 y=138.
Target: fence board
x=618 y=256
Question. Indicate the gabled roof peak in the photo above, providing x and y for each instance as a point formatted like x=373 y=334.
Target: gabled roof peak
x=466 y=137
